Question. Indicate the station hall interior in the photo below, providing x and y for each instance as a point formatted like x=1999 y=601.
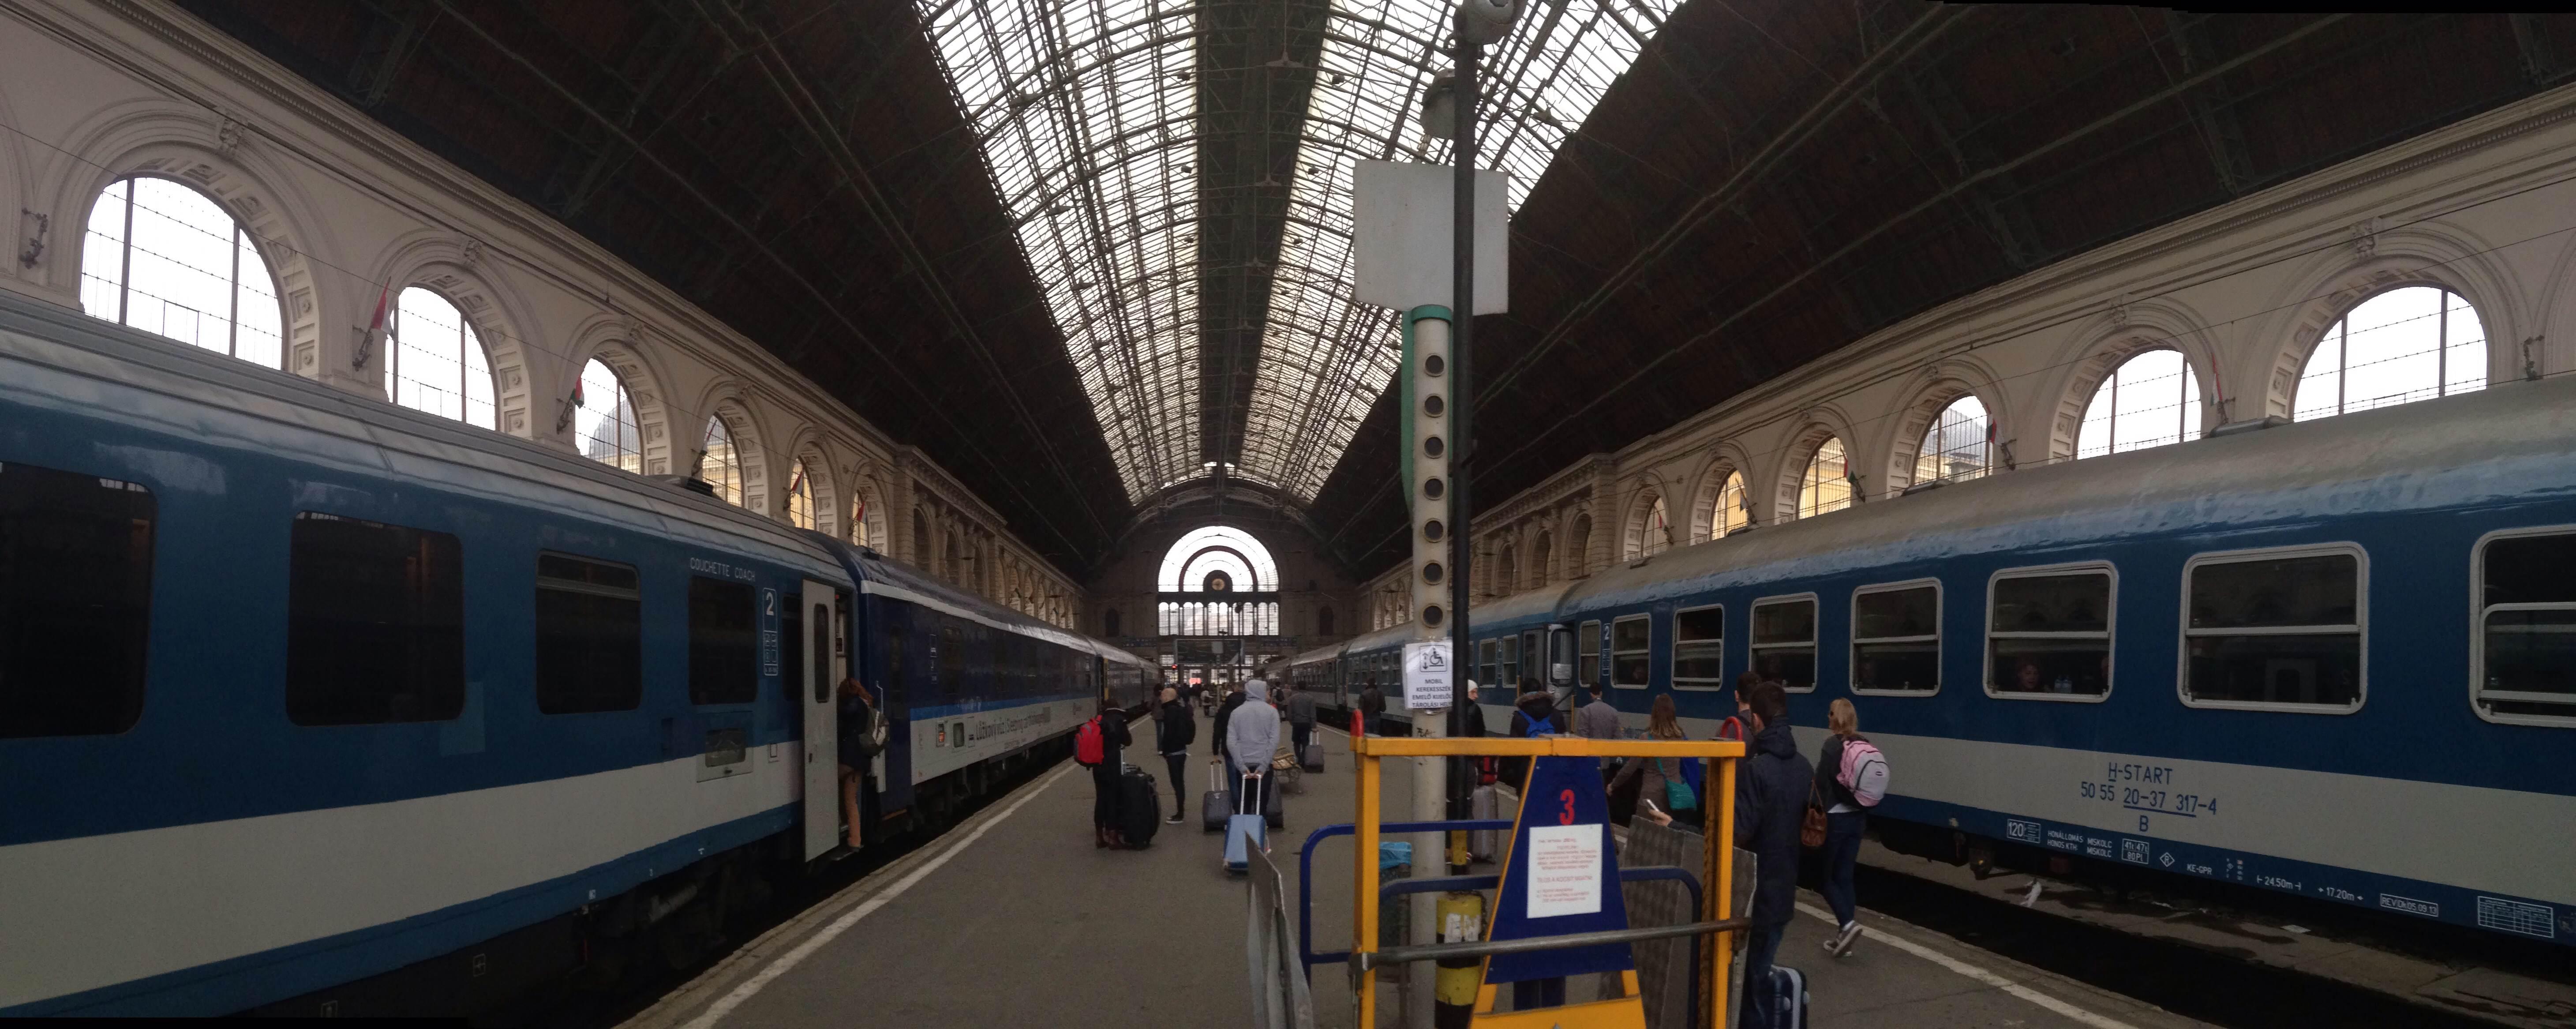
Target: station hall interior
x=680 y=513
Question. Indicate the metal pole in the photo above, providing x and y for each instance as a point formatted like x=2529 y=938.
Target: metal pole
x=1461 y=393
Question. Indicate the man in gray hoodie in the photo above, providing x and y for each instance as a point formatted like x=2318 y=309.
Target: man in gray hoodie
x=1251 y=738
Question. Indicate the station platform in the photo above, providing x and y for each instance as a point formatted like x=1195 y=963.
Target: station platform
x=1013 y=918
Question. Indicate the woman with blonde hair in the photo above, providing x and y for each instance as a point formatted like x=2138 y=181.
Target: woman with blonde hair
x=1664 y=786
x=1845 y=818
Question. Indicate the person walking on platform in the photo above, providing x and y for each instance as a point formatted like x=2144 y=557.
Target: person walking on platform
x=1175 y=728
x=1251 y=738
x=1533 y=713
x=1663 y=783
x=1104 y=774
x=1845 y=819
x=1373 y=709
x=859 y=748
x=1771 y=787
x=1597 y=720
x=1225 y=714
x=1301 y=720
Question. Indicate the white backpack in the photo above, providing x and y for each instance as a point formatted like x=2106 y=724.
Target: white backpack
x=1864 y=772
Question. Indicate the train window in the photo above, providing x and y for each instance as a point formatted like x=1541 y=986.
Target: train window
x=952 y=658
x=1896 y=638
x=75 y=601
x=2278 y=628
x=724 y=651
x=1485 y=651
x=2048 y=633
x=1630 y=639
x=791 y=642
x=1699 y=649
x=890 y=686
x=1784 y=640
x=375 y=623
x=1507 y=661
x=1587 y=649
x=590 y=636
x=2524 y=643
x=822 y=671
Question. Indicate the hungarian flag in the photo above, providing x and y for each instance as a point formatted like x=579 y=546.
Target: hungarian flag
x=577 y=399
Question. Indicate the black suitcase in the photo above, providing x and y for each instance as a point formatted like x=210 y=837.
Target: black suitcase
x=1216 y=805
x=1788 y=997
x=1140 y=806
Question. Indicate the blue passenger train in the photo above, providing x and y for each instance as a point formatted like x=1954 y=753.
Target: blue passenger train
x=2334 y=658
x=311 y=704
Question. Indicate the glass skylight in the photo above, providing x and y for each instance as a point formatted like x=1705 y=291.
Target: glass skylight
x=1087 y=115
x=1325 y=358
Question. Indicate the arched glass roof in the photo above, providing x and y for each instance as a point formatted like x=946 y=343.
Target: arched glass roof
x=1217 y=548
x=1097 y=136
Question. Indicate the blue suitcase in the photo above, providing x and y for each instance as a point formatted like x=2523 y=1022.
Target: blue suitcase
x=1243 y=832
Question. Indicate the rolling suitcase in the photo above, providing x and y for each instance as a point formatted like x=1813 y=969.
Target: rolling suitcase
x=1788 y=999
x=1244 y=831
x=1214 y=806
x=1140 y=807
x=1484 y=803
x=1312 y=758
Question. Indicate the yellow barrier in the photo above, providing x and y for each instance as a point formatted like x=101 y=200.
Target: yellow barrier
x=1716 y=874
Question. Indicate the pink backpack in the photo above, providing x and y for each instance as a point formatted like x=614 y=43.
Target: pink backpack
x=1864 y=771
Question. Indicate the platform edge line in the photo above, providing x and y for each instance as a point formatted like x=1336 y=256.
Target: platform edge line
x=1980 y=974
x=787 y=962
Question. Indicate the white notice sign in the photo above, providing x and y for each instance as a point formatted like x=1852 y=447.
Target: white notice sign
x=1426 y=675
x=1564 y=870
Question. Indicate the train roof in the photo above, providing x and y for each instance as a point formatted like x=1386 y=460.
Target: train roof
x=887 y=576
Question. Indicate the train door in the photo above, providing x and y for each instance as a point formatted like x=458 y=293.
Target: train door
x=822 y=744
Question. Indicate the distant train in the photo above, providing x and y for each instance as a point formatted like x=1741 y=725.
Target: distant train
x=2333 y=658
x=315 y=705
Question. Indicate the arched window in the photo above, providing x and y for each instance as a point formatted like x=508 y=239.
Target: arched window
x=722 y=467
x=865 y=529
x=1109 y=622
x=2151 y=400
x=2410 y=343
x=604 y=426
x=164 y=258
x=1654 y=529
x=1324 y=621
x=800 y=497
x=1726 y=513
x=1959 y=446
x=1826 y=484
x=436 y=360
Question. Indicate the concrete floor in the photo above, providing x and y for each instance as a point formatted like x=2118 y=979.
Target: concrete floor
x=1014 y=919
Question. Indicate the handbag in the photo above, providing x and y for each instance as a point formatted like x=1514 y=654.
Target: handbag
x=1811 y=826
x=1678 y=795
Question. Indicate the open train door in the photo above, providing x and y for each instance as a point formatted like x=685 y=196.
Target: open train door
x=821 y=673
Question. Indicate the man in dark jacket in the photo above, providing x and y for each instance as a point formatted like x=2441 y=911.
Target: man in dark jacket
x=1174 y=730
x=1770 y=799
x=1225 y=711
x=1301 y=719
x=1373 y=710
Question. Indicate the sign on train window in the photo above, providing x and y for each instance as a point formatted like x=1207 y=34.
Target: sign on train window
x=724 y=658
x=1784 y=641
x=2048 y=633
x=1630 y=640
x=1587 y=647
x=75 y=601
x=2274 y=629
x=1699 y=649
x=2524 y=644
x=375 y=623
x=590 y=636
x=1896 y=638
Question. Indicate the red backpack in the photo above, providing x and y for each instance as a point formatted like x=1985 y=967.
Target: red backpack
x=1088 y=748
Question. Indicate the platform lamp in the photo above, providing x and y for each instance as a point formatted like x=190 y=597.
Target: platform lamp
x=1449 y=111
